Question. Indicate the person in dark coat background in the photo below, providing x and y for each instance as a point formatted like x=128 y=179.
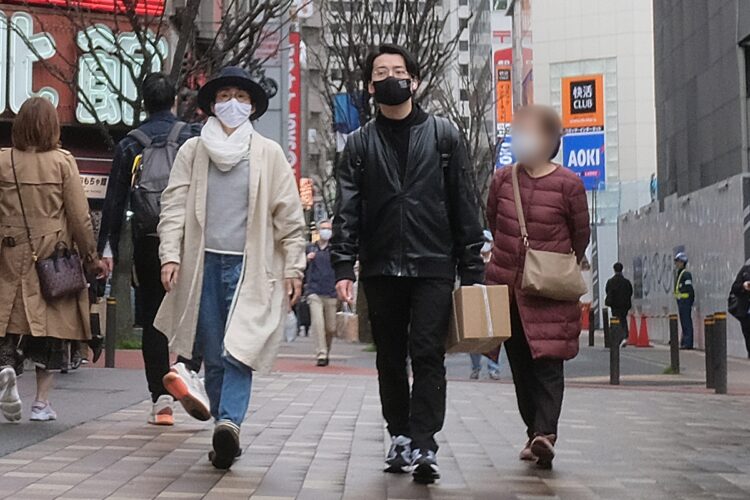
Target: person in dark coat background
x=684 y=294
x=619 y=298
x=544 y=331
x=741 y=289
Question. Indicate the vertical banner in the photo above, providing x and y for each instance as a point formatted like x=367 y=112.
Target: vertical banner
x=583 y=145
x=294 y=147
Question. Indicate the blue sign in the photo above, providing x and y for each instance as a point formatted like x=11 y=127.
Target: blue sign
x=504 y=156
x=584 y=155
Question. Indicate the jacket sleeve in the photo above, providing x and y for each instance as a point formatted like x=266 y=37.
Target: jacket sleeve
x=608 y=293
x=492 y=202
x=347 y=214
x=77 y=210
x=288 y=219
x=578 y=218
x=739 y=281
x=687 y=285
x=115 y=201
x=464 y=217
x=171 y=227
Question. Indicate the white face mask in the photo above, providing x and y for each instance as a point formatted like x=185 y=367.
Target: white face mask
x=233 y=113
x=486 y=247
x=325 y=234
x=527 y=148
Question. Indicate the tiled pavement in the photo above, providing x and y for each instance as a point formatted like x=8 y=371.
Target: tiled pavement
x=321 y=436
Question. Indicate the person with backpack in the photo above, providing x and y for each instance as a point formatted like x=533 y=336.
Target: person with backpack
x=140 y=172
x=406 y=209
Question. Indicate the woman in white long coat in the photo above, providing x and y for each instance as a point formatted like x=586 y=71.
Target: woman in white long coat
x=232 y=251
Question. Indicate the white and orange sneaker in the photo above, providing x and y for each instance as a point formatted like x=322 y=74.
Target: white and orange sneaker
x=162 y=413
x=187 y=388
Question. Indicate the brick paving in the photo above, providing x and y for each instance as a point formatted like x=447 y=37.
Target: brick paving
x=321 y=436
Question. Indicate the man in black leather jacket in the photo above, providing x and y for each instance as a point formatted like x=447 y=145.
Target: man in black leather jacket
x=406 y=210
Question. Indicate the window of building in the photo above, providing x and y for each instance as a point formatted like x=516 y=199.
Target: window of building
x=464 y=95
x=464 y=70
x=463 y=24
x=463 y=2
x=501 y=5
x=463 y=46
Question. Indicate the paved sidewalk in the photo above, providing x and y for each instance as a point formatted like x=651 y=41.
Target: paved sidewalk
x=321 y=436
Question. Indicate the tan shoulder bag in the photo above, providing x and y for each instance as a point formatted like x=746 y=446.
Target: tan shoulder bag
x=552 y=275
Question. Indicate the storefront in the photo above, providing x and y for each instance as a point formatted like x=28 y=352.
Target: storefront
x=46 y=50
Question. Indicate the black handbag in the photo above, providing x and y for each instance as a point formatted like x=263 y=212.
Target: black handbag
x=61 y=274
x=735 y=306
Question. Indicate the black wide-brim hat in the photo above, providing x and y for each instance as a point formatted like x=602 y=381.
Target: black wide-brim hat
x=233 y=76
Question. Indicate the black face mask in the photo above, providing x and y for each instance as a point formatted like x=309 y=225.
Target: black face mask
x=392 y=91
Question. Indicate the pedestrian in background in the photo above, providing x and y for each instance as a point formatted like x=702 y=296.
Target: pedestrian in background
x=684 y=293
x=741 y=290
x=493 y=368
x=544 y=331
x=619 y=296
x=42 y=198
x=406 y=209
x=320 y=289
x=161 y=129
x=232 y=251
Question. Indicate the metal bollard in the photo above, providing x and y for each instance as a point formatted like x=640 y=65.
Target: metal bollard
x=605 y=322
x=719 y=352
x=110 y=338
x=674 y=344
x=615 y=333
x=708 y=328
x=592 y=327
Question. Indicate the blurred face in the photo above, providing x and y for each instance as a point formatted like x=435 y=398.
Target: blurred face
x=229 y=93
x=232 y=107
x=679 y=264
x=531 y=144
x=325 y=230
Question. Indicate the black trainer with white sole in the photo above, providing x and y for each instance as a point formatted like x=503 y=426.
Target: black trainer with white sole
x=398 y=460
x=425 y=468
x=226 y=443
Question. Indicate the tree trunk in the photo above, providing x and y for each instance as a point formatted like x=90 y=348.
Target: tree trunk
x=187 y=24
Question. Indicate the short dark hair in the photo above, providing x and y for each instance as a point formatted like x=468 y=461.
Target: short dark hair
x=158 y=93
x=36 y=126
x=618 y=267
x=412 y=66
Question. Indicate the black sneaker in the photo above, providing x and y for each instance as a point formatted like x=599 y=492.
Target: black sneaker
x=226 y=442
x=398 y=460
x=425 y=468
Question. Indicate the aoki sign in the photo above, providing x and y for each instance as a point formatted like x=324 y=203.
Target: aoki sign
x=105 y=67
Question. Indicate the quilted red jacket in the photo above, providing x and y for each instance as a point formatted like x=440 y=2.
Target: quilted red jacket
x=557 y=219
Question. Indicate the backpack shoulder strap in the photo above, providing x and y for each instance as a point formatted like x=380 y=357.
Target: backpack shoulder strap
x=174 y=133
x=443 y=137
x=140 y=136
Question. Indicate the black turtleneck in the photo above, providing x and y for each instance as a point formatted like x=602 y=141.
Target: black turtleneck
x=398 y=134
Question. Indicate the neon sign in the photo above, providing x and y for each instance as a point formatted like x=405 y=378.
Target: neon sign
x=142 y=7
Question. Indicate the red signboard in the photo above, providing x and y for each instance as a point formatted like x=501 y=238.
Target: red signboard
x=295 y=105
x=142 y=7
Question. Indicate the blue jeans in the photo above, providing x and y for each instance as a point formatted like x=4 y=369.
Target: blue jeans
x=228 y=381
x=685 y=309
x=476 y=363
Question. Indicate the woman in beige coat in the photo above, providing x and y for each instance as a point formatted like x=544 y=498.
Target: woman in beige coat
x=57 y=211
x=232 y=251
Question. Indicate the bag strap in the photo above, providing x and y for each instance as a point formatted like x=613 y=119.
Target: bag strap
x=174 y=133
x=20 y=201
x=519 y=206
x=140 y=136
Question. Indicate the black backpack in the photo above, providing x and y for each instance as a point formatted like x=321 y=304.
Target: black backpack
x=150 y=176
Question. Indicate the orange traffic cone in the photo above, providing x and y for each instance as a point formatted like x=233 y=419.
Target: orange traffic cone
x=633 y=331
x=643 y=334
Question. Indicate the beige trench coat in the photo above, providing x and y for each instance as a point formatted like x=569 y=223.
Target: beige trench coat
x=57 y=210
x=274 y=250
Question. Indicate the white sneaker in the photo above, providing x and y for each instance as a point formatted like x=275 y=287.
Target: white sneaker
x=162 y=413
x=41 y=411
x=10 y=401
x=187 y=388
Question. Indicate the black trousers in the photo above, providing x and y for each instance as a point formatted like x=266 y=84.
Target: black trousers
x=622 y=315
x=149 y=294
x=745 y=323
x=539 y=382
x=409 y=317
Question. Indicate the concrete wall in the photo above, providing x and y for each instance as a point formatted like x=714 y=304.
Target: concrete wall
x=698 y=91
x=708 y=225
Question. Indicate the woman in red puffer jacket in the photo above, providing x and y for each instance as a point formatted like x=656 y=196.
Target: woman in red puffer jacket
x=544 y=331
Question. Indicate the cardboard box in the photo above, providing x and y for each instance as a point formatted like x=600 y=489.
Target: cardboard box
x=471 y=330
